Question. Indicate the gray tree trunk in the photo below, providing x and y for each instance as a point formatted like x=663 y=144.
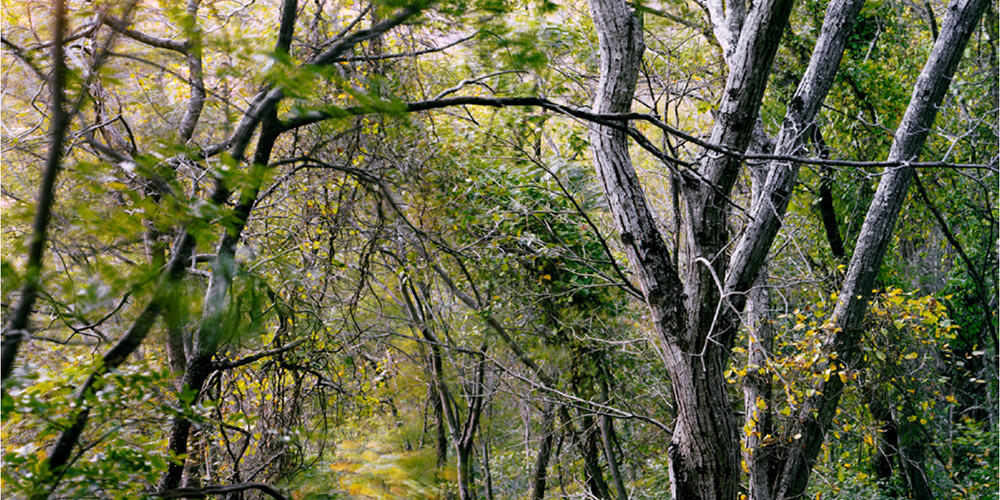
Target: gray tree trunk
x=817 y=412
x=704 y=452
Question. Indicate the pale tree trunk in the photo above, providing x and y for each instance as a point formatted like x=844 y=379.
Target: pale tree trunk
x=769 y=209
x=817 y=412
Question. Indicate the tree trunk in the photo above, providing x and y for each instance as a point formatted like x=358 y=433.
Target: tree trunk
x=704 y=452
x=465 y=481
x=544 y=452
x=608 y=435
x=887 y=440
x=607 y=440
x=769 y=209
x=17 y=327
x=912 y=457
x=817 y=412
x=440 y=433
x=587 y=440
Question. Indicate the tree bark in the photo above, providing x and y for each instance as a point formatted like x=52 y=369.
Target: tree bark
x=196 y=102
x=817 y=412
x=751 y=251
x=544 y=452
x=440 y=433
x=608 y=436
x=704 y=452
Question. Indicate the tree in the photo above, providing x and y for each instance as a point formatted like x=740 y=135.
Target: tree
x=418 y=213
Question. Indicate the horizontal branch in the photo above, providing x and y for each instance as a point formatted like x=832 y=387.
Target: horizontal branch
x=220 y=490
x=310 y=117
x=385 y=57
x=236 y=363
x=153 y=41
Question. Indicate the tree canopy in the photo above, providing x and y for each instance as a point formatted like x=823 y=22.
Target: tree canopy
x=500 y=249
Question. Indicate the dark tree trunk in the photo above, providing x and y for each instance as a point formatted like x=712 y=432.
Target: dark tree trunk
x=544 y=452
x=888 y=441
x=17 y=326
x=440 y=432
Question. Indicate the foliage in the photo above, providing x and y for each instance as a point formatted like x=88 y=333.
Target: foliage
x=373 y=227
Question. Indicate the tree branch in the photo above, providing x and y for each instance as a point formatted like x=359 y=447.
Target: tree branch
x=220 y=490
x=608 y=119
x=161 y=43
x=226 y=365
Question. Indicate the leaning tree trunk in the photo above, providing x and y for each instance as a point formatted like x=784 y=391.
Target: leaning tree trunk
x=17 y=327
x=817 y=412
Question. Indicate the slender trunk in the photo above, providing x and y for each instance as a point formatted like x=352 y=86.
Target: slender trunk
x=887 y=439
x=465 y=481
x=441 y=434
x=487 y=476
x=817 y=412
x=594 y=475
x=60 y=452
x=607 y=439
x=768 y=211
x=757 y=393
x=912 y=458
x=544 y=452
x=196 y=101
x=17 y=328
x=828 y=213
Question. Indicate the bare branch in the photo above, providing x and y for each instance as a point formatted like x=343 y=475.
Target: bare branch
x=221 y=490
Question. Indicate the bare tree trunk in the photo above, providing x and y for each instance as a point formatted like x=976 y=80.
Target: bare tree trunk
x=768 y=211
x=544 y=452
x=607 y=436
x=607 y=440
x=912 y=458
x=17 y=327
x=817 y=412
x=757 y=393
x=704 y=452
x=888 y=441
x=196 y=102
x=440 y=433
x=586 y=443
